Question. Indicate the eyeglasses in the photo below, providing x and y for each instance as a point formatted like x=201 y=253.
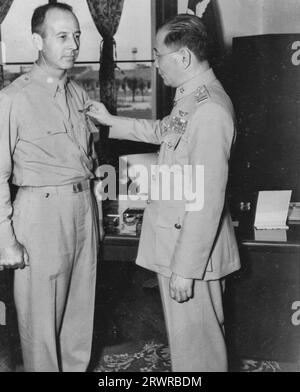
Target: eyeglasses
x=158 y=56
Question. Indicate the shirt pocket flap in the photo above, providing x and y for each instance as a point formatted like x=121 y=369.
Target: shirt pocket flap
x=35 y=133
x=170 y=215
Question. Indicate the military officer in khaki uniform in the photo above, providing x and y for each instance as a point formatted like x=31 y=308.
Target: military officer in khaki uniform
x=191 y=249
x=49 y=235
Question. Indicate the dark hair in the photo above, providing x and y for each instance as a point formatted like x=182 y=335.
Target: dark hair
x=39 y=15
x=187 y=30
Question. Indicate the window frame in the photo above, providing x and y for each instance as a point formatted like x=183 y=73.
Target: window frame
x=162 y=96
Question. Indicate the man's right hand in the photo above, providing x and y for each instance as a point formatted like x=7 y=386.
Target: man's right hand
x=14 y=256
x=97 y=111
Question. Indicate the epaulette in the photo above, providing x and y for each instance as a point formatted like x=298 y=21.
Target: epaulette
x=202 y=94
x=17 y=85
x=23 y=80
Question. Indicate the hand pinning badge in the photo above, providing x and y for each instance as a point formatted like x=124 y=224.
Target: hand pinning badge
x=86 y=107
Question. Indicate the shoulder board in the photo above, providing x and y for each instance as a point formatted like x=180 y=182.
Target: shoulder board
x=201 y=94
x=22 y=80
x=17 y=85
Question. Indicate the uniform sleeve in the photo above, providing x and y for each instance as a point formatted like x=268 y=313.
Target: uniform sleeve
x=209 y=145
x=8 y=136
x=147 y=131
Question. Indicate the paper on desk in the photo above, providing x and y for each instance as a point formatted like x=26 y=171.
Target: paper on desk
x=278 y=235
x=272 y=209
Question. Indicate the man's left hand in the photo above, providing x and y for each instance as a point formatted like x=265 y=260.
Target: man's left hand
x=181 y=289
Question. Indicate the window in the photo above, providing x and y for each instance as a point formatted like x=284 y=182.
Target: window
x=135 y=70
x=134 y=75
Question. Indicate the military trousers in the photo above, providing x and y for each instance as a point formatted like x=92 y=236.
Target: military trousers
x=195 y=328
x=55 y=294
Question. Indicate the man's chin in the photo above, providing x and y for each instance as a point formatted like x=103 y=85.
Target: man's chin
x=68 y=63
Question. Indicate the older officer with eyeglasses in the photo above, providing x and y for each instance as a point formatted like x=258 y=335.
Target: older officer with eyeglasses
x=192 y=248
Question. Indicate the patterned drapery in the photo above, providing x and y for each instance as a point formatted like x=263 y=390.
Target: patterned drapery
x=106 y=15
x=208 y=11
x=4 y=8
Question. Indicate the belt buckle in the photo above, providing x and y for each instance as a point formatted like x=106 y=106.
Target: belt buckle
x=77 y=187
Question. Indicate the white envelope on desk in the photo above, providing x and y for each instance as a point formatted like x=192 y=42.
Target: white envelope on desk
x=278 y=235
x=272 y=209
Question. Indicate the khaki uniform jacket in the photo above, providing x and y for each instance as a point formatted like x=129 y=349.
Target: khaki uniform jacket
x=39 y=145
x=199 y=132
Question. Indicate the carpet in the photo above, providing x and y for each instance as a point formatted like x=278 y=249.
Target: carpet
x=151 y=357
x=155 y=357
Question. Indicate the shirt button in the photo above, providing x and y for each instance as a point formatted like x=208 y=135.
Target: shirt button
x=148 y=201
x=177 y=226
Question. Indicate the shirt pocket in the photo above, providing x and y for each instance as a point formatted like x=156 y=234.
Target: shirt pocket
x=168 y=228
x=171 y=214
x=35 y=133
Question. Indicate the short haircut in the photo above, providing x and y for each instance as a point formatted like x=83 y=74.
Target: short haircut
x=39 y=14
x=187 y=30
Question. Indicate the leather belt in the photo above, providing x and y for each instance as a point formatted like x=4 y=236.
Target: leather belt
x=73 y=188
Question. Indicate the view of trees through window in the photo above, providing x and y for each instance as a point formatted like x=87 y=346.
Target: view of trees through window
x=135 y=69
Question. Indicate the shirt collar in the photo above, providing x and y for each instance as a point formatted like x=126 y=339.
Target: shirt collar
x=51 y=83
x=191 y=85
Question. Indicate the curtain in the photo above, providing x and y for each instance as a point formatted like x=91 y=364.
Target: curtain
x=4 y=8
x=208 y=11
x=106 y=15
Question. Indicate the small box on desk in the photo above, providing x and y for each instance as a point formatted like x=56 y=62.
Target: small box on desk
x=130 y=214
x=294 y=213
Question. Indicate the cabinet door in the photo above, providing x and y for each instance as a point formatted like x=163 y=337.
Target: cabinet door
x=267 y=103
x=262 y=306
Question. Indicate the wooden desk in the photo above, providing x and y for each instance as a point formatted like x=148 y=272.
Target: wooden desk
x=118 y=247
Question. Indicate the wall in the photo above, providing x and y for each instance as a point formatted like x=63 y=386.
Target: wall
x=240 y=18
x=252 y=17
x=237 y=17
x=281 y=16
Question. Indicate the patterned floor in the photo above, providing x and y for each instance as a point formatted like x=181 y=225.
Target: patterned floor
x=150 y=357
x=155 y=357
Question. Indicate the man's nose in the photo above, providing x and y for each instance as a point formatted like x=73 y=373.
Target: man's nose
x=74 y=43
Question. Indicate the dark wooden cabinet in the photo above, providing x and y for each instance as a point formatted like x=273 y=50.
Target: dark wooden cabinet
x=266 y=97
x=262 y=300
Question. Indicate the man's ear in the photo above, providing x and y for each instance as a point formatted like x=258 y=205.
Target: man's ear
x=37 y=41
x=185 y=56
